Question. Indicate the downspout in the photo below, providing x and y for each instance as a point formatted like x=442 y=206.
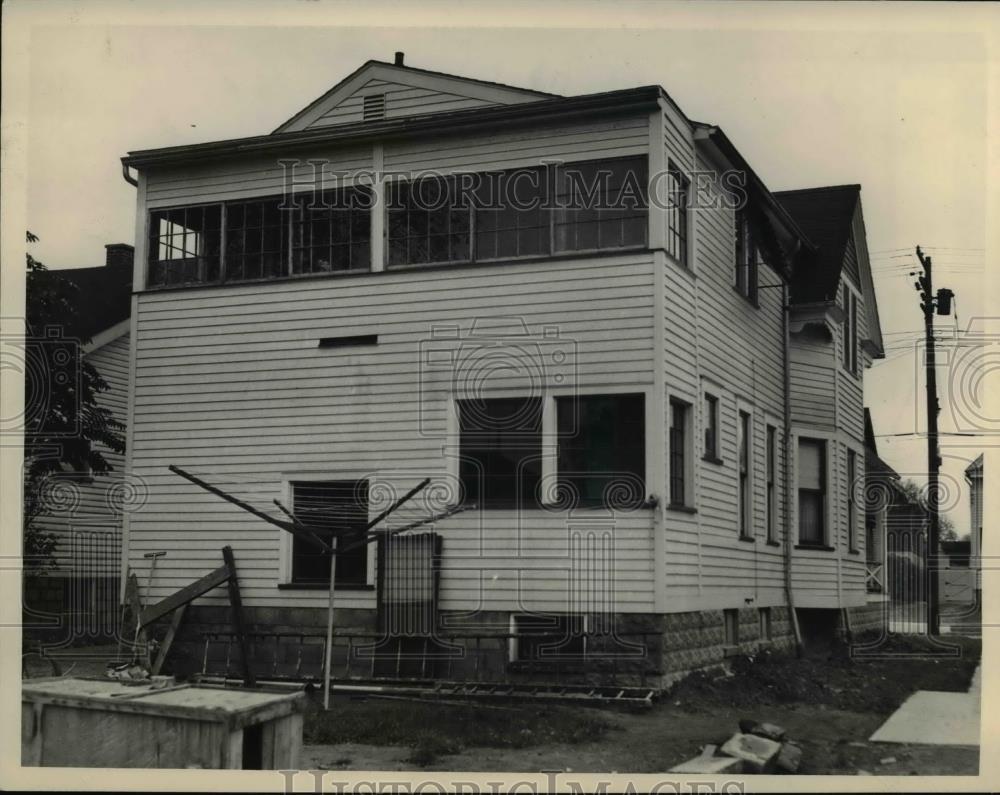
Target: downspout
x=785 y=470
x=128 y=177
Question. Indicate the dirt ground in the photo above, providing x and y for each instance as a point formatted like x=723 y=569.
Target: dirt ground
x=830 y=704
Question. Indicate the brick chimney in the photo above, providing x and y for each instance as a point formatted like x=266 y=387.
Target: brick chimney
x=120 y=255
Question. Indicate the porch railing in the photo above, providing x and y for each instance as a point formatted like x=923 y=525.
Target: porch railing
x=874 y=576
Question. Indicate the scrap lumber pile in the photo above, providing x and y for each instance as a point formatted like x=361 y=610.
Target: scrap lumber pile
x=755 y=748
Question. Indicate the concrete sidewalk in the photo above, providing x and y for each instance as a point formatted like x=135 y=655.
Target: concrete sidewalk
x=932 y=718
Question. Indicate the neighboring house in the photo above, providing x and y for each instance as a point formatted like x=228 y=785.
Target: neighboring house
x=974 y=477
x=85 y=510
x=611 y=387
x=881 y=490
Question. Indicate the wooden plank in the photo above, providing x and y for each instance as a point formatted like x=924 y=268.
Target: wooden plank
x=236 y=605
x=175 y=622
x=185 y=595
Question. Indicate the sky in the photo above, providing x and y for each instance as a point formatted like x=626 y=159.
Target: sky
x=901 y=99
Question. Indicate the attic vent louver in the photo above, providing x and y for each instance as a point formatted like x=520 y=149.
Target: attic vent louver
x=374 y=107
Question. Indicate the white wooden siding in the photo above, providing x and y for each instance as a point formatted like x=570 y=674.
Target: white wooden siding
x=230 y=384
x=88 y=531
x=400 y=100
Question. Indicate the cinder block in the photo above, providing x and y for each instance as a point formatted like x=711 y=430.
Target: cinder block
x=759 y=753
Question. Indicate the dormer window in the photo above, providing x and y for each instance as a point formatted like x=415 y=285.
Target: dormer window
x=374 y=107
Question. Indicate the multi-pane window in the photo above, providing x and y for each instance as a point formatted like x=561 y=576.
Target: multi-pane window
x=812 y=492
x=772 y=488
x=256 y=239
x=328 y=508
x=429 y=220
x=679 y=413
x=677 y=214
x=711 y=427
x=601 y=204
x=850 y=352
x=261 y=238
x=852 y=506
x=745 y=257
x=511 y=218
x=602 y=449
x=501 y=448
x=333 y=233
x=184 y=245
x=745 y=451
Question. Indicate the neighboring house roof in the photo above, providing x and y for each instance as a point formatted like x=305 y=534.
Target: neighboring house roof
x=975 y=468
x=104 y=297
x=826 y=216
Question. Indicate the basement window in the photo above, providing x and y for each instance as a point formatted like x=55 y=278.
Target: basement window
x=602 y=450
x=552 y=639
x=374 y=107
x=731 y=623
x=766 y=632
x=501 y=451
x=328 y=507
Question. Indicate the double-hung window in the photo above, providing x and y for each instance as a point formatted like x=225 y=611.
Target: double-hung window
x=745 y=456
x=850 y=334
x=331 y=508
x=852 y=506
x=812 y=492
x=772 y=488
x=677 y=214
x=745 y=257
x=501 y=451
x=602 y=449
x=680 y=439
x=711 y=428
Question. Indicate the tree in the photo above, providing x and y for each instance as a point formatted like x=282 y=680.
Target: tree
x=63 y=423
x=915 y=494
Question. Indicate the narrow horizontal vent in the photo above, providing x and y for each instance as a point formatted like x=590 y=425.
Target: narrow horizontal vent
x=344 y=342
x=374 y=107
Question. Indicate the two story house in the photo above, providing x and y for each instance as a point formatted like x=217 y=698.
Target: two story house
x=585 y=316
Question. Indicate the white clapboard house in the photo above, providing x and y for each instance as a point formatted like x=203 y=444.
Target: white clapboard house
x=642 y=367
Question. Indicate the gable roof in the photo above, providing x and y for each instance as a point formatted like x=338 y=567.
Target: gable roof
x=826 y=215
x=976 y=467
x=342 y=103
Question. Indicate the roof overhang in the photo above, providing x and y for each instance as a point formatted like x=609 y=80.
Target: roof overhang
x=546 y=111
x=789 y=237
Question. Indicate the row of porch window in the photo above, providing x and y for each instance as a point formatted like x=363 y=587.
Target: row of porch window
x=598 y=205
x=600 y=461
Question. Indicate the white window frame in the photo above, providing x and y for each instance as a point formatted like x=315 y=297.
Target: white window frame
x=285 y=538
x=690 y=451
x=850 y=360
x=830 y=509
x=550 y=435
x=742 y=406
x=710 y=389
x=857 y=533
x=772 y=421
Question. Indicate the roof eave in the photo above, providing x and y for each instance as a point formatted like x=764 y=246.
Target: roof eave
x=633 y=100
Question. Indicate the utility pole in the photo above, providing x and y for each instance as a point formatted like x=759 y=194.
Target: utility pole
x=942 y=302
